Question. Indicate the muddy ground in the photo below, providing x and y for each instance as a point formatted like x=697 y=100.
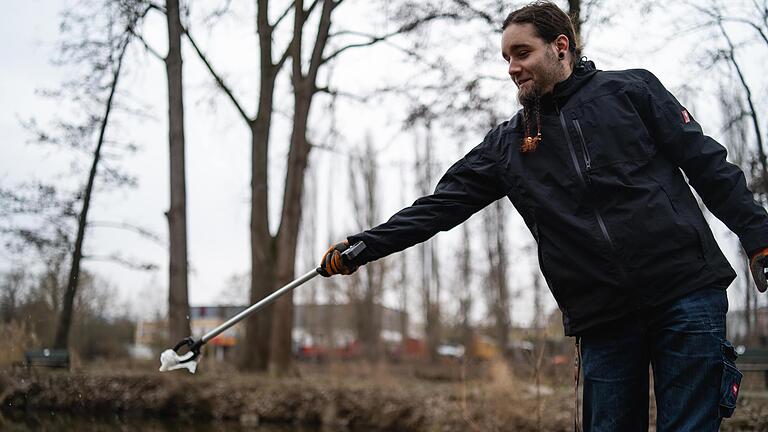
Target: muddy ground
x=342 y=397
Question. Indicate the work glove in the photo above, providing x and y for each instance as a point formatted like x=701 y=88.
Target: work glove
x=334 y=263
x=758 y=264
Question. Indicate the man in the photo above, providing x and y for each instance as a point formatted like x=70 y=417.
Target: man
x=593 y=164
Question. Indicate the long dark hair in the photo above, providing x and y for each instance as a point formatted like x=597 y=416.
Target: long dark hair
x=549 y=21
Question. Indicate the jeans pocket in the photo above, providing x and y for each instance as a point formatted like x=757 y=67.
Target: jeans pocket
x=731 y=381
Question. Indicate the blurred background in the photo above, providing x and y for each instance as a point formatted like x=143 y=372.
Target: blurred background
x=166 y=164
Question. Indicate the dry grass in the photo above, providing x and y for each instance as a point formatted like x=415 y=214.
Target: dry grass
x=17 y=338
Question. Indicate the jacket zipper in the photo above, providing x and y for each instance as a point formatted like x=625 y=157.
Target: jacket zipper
x=584 y=150
x=588 y=164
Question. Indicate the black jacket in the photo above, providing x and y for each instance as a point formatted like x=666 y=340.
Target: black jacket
x=617 y=226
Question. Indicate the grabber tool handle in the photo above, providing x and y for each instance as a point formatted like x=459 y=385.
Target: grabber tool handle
x=353 y=251
x=266 y=301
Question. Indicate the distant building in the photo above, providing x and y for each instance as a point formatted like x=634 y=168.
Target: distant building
x=334 y=324
x=314 y=325
x=151 y=333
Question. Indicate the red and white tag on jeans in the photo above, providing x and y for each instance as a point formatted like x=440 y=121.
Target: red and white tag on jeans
x=735 y=389
x=686 y=116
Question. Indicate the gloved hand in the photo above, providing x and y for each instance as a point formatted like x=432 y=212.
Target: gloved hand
x=333 y=263
x=758 y=264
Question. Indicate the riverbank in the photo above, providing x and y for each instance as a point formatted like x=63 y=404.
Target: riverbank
x=337 y=401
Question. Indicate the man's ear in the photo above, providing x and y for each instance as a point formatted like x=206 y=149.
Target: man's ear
x=562 y=43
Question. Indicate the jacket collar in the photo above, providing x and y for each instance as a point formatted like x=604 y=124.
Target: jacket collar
x=583 y=71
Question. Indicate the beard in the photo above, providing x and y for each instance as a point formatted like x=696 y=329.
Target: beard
x=544 y=74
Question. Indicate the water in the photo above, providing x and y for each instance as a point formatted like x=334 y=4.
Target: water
x=59 y=422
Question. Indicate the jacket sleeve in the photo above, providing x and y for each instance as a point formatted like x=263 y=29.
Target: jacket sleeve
x=720 y=184
x=468 y=186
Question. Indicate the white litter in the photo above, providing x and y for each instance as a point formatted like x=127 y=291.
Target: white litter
x=170 y=360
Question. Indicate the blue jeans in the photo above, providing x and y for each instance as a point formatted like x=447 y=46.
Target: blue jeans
x=695 y=379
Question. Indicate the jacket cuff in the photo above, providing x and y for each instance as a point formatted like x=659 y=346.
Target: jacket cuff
x=754 y=241
x=367 y=255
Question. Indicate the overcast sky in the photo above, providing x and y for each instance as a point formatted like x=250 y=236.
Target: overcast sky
x=218 y=147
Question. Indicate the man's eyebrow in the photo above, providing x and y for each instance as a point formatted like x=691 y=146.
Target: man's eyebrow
x=514 y=47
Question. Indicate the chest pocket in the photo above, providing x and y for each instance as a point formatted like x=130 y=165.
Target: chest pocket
x=610 y=131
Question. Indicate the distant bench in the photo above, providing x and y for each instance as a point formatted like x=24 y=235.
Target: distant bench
x=52 y=358
x=754 y=360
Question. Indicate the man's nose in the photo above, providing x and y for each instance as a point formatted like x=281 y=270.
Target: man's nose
x=513 y=69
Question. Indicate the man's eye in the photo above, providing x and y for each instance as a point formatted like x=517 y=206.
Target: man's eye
x=522 y=54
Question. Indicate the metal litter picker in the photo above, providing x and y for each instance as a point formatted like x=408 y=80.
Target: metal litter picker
x=170 y=358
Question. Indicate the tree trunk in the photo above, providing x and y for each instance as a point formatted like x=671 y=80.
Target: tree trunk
x=62 y=333
x=465 y=296
x=365 y=200
x=497 y=284
x=255 y=353
x=258 y=328
x=288 y=233
x=304 y=89
x=178 y=300
x=430 y=288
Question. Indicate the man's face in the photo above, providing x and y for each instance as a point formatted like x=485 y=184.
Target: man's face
x=533 y=64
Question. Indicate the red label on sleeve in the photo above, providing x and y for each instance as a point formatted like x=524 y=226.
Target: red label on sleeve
x=686 y=117
x=735 y=389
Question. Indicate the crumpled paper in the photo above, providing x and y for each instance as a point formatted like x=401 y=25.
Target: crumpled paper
x=170 y=360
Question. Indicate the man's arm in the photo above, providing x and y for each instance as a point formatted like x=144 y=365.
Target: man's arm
x=469 y=185
x=720 y=184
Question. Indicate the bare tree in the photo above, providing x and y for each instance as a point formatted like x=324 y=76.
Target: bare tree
x=497 y=289
x=370 y=280
x=62 y=334
x=178 y=266
x=736 y=129
x=178 y=301
x=737 y=32
x=714 y=19
x=11 y=289
x=430 y=272
x=95 y=37
x=273 y=256
x=464 y=288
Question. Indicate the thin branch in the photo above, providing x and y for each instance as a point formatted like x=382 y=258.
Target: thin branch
x=283 y=15
x=157 y=7
x=117 y=259
x=149 y=235
x=757 y=28
x=332 y=92
x=217 y=13
x=748 y=93
x=147 y=46
x=217 y=77
x=324 y=27
x=376 y=39
x=485 y=16
x=283 y=58
x=311 y=8
x=735 y=120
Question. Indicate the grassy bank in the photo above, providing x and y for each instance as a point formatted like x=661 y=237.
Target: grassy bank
x=342 y=397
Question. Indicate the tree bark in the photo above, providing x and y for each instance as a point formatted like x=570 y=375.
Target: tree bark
x=365 y=199
x=304 y=89
x=61 y=340
x=256 y=351
x=178 y=300
x=497 y=284
x=287 y=238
